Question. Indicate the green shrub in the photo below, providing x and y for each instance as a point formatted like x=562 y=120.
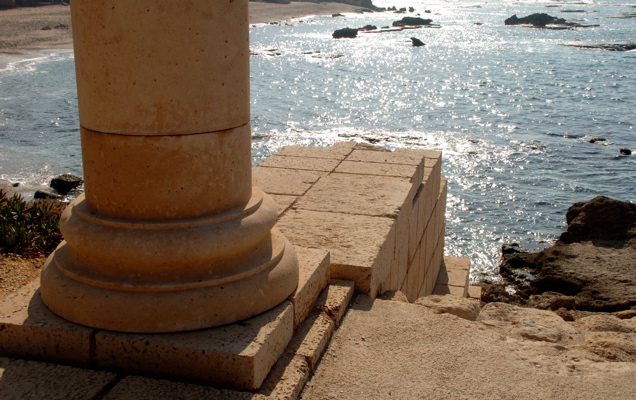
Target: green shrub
x=29 y=228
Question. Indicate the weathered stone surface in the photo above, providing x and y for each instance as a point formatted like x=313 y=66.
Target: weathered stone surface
x=528 y=323
x=344 y=193
x=30 y=330
x=302 y=163
x=357 y=243
x=142 y=388
x=237 y=356
x=459 y=306
x=20 y=379
x=284 y=202
x=312 y=338
x=284 y=181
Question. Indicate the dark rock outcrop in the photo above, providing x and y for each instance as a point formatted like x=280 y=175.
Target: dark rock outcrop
x=345 y=33
x=412 y=21
x=600 y=220
x=538 y=19
x=625 y=152
x=65 y=183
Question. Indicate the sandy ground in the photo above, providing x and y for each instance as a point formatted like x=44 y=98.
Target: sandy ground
x=29 y=29
x=392 y=350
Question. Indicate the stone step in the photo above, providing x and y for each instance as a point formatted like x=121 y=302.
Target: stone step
x=286 y=380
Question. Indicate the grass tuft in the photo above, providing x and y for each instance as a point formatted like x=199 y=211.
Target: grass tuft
x=29 y=228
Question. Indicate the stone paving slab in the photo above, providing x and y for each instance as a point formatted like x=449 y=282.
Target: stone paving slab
x=357 y=194
x=284 y=181
x=22 y=380
x=301 y=163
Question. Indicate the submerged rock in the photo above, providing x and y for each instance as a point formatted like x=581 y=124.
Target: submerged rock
x=538 y=19
x=417 y=42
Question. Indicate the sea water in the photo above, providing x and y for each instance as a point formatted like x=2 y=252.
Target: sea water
x=511 y=107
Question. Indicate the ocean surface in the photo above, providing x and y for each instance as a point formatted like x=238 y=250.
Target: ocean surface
x=511 y=108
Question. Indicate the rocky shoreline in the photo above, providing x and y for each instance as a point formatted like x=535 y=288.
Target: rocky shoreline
x=590 y=269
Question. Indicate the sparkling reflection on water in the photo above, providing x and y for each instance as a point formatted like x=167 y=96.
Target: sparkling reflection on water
x=509 y=106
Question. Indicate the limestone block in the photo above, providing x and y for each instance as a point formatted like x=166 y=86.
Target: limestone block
x=172 y=69
x=237 y=356
x=357 y=243
x=302 y=163
x=384 y=157
x=371 y=168
x=313 y=265
x=20 y=379
x=284 y=181
x=286 y=381
x=29 y=330
x=356 y=194
x=120 y=172
x=338 y=151
x=284 y=202
x=334 y=300
x=474 y=292
x=312 y=338
x=343 y=148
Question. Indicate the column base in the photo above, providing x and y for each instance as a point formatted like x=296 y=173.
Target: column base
x=133 y=276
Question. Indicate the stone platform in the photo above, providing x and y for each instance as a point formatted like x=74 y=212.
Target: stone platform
x=358 y=213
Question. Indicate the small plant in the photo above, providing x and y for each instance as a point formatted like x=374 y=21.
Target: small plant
x=29 y=228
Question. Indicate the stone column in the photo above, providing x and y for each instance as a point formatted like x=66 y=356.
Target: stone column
x=170 y=234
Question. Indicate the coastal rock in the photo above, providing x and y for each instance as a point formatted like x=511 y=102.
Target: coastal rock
x=600 y=220
x=43 y=195
x=625 y=152
x=66 y=182
x=412 y=21
x=417 y=42
x=590 y=269
x=368 y=28
x=345 y=33
x=538 y=19
x=336 y=15
x=460 y=306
